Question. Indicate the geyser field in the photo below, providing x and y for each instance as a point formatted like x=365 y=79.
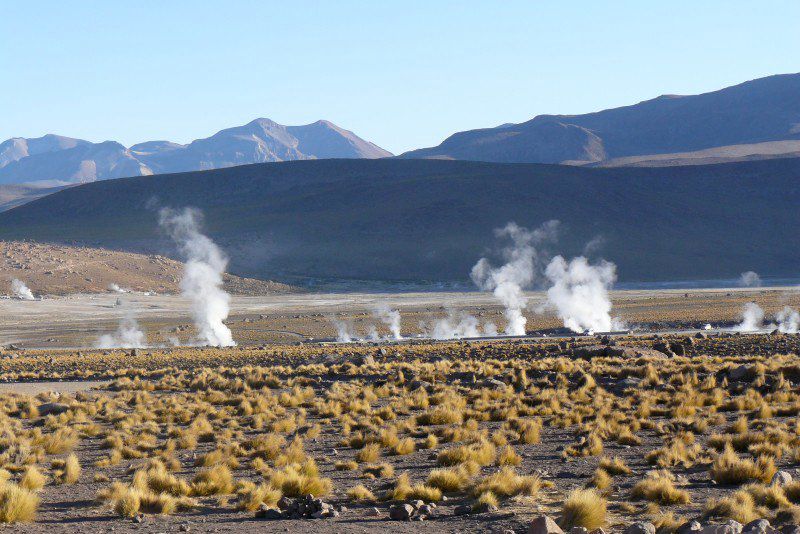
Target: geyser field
x=572 y=408
x=472 y=435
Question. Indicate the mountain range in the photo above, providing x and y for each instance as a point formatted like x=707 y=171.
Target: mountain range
x=758 y=119
x=412 y=220
x=54 y=160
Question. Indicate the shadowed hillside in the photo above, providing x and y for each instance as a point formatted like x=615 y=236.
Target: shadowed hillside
x=429 y=219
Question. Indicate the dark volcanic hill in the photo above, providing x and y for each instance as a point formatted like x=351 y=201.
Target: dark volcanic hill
x=56 y=160
x=393 y=219
x=755 y=113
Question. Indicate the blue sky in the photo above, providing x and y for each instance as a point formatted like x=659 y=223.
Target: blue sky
x=401 y=74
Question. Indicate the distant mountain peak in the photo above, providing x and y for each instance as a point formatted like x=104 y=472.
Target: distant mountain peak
x=757 y=113
x=57 y=159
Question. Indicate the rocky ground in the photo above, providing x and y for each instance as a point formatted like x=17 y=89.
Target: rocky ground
x=458 y=437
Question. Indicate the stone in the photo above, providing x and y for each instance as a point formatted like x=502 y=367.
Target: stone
x=401 y=512
x=641 y=527
x=759 y=526
x=372 y=512
x=689 y=527
x=417 y=504
x=425 y=509
x=728 y=527
x=739 y=373
x=579 y=530
x=597 y=531
x=544 y=525
x=463 y=509
x=139 y=518
x=52 y=408
x=485 y=508
x=265 y=512
x=185 y=527
x=781 y=478
x=284 y=503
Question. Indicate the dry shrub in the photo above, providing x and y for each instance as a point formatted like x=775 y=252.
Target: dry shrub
x=298 y=480
x=584 y=508
x=360 y=493
x=508 y=456
x=600 y=480
x=728 y=468
x=251 y=496
x=403 y=447
x=614 y=466
x=738 y=506
x=32 y=479
x=217 y=480
x=17 y=505
x=67 y=471
x=659 y=488
x=369 y=453
x=507 y=483
x=448 y=480
x=482 y=453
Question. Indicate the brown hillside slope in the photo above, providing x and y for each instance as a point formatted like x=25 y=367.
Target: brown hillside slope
x=60 y=270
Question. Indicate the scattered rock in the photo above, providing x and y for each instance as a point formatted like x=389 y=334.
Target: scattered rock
x=265 y=512
x=579 y=530
x=372 y=512
x=463 y=509
x=728 y=527
x=485 y=508
x=641 y=527
x=544 y=525
x=781 y=478
x=689 y=527
x=52 y=408
x=759 y=526
x=401 y=512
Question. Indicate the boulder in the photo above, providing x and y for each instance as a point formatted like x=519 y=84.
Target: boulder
x=689 y=527
x=401 y=512
x=544 y=525
x=52 y=408
x=759 y=526
x=728 y=527
x=463 y=509
x=641 y=527
x=265 y=512
x=781 y=478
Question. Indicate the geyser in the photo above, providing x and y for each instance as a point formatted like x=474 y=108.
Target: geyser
x=508 y=281
x=127 y=336
x=20 y=290
x=204 y=266
x=579 y=293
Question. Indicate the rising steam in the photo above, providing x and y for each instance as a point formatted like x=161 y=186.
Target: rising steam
x=202 y=275
x=390 y=318
x=127 y=336
x=752 y=318
x=579 y=293
x=750 y=279
x=20 y=290
x=788 y=320
x=459 y=326
x=508 y=281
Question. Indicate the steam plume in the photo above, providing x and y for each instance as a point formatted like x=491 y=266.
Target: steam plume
x=202 y=275
x=127 y=336
x=750 y=279
x=579 y=293
x=508 y=281
x=752 y=318
x=116 y=289
x=344 y=330
x=788 y=320
x=21 y=291
x=458 y=326
x=390 y=318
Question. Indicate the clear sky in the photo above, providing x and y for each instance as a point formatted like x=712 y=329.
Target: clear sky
x=403 y=74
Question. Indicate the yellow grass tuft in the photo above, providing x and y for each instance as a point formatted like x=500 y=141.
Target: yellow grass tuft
x=584 y=508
